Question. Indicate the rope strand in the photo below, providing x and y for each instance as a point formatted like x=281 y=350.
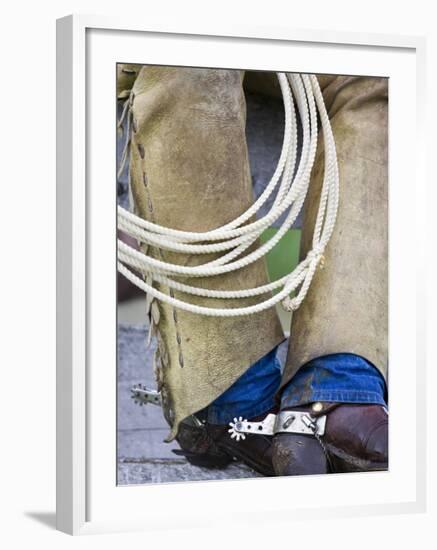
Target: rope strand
x=234 y=238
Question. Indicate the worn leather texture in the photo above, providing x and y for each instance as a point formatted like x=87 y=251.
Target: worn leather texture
x=355 y=440
x=198 y=447
x=357 y=437
x=126 y=76
x=189 y=170
x=255 y=450
x=346 y=308
x=297 y=455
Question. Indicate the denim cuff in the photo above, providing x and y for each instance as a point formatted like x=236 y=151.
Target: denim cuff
x=340 y=377
x=367 y=397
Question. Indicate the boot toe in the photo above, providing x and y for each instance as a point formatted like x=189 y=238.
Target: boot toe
x=377 y=443
x=295 y=454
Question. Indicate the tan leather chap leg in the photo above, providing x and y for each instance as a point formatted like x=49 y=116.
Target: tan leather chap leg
x=346 y=309
x=189 y=170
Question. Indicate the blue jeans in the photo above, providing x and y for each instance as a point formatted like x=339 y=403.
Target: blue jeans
x=252 y=394
x=341 y=377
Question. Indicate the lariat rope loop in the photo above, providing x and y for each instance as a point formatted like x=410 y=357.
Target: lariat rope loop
x=292 y=177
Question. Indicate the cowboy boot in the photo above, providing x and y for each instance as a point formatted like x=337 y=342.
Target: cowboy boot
x=210 y=438
x=354 y=439
x=212 y=446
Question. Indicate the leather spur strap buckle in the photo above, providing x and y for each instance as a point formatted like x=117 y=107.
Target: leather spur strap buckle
x=298 y=422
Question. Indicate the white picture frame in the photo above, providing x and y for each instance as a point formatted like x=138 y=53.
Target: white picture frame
x=88 y=500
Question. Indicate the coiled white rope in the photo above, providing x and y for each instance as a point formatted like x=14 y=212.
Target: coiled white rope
x=291 y=177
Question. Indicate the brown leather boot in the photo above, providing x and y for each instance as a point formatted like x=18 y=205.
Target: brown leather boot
x=211 y=446
x=198 y=446
x=355 y=440
x=255 y=450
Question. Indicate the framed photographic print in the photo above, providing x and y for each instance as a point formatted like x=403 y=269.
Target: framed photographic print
x=237 y=318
